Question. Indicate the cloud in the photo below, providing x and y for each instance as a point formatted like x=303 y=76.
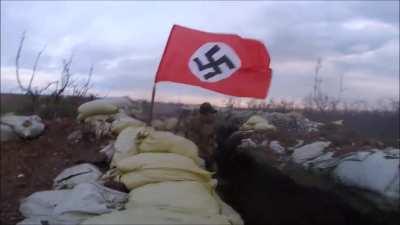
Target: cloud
x=124 y=41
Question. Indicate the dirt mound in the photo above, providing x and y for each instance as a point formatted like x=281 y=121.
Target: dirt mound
x=31 y=165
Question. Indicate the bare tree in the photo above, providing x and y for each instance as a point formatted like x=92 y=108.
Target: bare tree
x=82 y=90
x=64 y=84
x=33 y=92
x=65 y=79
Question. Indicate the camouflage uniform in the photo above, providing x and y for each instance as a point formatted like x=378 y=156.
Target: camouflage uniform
x=199 y=127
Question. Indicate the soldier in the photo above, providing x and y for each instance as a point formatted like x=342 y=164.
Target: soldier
x=200 y=128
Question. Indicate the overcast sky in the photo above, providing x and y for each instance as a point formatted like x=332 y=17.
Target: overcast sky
x=125 y=40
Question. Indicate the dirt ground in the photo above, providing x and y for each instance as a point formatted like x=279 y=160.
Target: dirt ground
x=260 y=193
x=31 y=165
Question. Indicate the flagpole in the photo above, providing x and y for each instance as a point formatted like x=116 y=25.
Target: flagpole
x=153 y=94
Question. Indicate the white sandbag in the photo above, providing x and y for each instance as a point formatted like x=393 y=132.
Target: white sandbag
x=121 y=123
x=160 y=161
x=277 y=147
x=375 y=173
x=7 y=133
x=147 y=176
x=42 y=203
x=228 y=212
x=257 y=123
x=163 y=141
x=96 y=107
x=189 y=195
x=71 y=206
x=126 y=145
x=72 y=176
x=91 y=198
x=157 y=215
x=310 y=151
x=325 y=161
x=24 y=126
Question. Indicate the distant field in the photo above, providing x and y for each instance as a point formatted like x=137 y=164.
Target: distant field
x=13 y=102
x=383 y=126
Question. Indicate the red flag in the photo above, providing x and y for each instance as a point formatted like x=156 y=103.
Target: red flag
x=223 y=63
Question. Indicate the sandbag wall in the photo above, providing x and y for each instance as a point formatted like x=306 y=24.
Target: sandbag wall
x=166 y=178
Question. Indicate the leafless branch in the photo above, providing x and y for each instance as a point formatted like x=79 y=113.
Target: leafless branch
x=35 y=67
x=40 y=91
x=17 y=58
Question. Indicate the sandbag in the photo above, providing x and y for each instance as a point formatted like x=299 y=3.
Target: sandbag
x=24 y=126
x=147 y=176
x=163 y=141
x=96 y=107
x=189 y=195
x=71 y=206
x=126 y=145
x=92 y=198
x=310 y=151
x=50 y=220
x=157 y=215
x=375 y=173
x=170 y=123
x=72 y=176
x=121 y=123
x=257 y=123
x=160 y=161
x=42 y=203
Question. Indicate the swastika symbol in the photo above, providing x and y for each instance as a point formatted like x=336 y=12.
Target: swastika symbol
x=214 y=61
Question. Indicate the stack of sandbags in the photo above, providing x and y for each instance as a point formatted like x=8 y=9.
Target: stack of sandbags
x=107 y=116
x=257 y=123
x=166 y=181
x=146 y=168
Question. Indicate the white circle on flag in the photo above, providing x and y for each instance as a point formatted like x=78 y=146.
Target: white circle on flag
x=214 y=61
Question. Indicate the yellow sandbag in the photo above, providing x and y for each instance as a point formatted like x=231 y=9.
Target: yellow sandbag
x=255 y=119
x=95 y=107
x=126 y=145
x=264 y=126
x=156 y=215
x=170 y=123
x=189 y=195
x=160 y=161
x=163 y=141
x=121 y=123
x=147 y=176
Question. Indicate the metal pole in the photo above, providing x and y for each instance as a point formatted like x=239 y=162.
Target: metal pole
x=152 y=104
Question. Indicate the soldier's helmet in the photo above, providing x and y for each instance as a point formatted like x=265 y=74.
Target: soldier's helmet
x=207 y=108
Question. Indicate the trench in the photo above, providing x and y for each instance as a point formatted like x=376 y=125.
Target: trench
x=262 y=194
